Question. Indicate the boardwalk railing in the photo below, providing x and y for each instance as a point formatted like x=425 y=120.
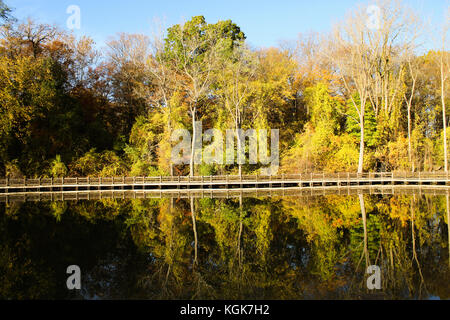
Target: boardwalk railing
x=304 y=179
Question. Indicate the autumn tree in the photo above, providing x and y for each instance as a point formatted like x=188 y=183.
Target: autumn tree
x=236 y=83
x=444 y=71
x=369 y=62
x=127 y=55
x=193 y=48
x=5 y=13
x=413 y=67
x=350 y=52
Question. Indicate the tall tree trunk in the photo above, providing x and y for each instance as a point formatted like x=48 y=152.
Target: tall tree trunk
x=239 y=148
x=361 y=143
x=409 y=104
x=409 y=139
x=194 y=137
x=239 y=142
x=444 y=119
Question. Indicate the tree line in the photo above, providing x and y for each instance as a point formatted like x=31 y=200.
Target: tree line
x=354 y=99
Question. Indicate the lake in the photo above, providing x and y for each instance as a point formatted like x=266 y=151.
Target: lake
x=279 y=247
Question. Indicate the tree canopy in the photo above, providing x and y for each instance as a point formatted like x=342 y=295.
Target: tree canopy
x=343 y=101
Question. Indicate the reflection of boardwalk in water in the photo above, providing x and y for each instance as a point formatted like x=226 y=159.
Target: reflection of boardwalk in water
x=225 y=193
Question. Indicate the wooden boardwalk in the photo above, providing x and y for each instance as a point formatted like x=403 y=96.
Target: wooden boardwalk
x=435 y=190
x=201 y=183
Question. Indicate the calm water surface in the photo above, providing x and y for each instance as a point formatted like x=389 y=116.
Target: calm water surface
x=248 y=248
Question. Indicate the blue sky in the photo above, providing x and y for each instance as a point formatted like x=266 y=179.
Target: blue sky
x=264 y=22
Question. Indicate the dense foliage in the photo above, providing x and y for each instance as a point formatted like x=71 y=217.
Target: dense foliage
x=68 y=109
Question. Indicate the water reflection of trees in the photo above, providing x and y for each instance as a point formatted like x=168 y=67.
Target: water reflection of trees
x=243 y=248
